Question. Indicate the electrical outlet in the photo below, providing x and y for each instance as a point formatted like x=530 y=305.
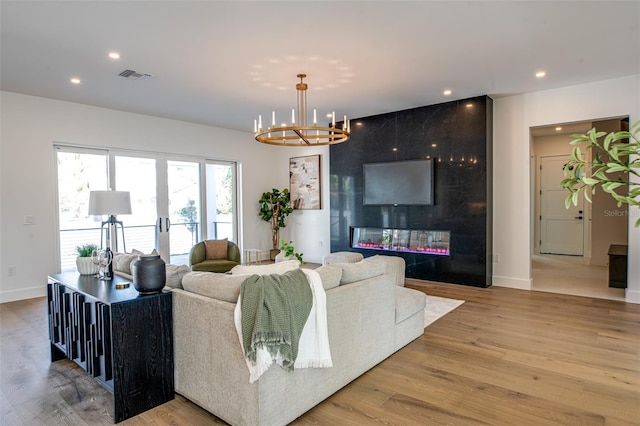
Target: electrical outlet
x=320 y=242
x=29 y=220
x=11 y=270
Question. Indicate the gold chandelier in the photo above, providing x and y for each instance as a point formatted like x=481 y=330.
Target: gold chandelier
x=299 y=133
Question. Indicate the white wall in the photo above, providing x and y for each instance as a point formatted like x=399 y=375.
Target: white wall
x=513 y=116
x=29 y=127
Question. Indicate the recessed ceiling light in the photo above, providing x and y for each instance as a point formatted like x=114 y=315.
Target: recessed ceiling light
x=75 y=80
x=359 y=123
x=541 y=74
x=395 y=149
x=433 y=145
x=558 y=128
x=114 y=55
x=447 y=92
x=469 y=105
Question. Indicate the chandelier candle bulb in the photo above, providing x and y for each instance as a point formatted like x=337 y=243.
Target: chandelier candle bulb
x=333 y=119
x=293 y=116
x=315 y=119
x=273 y=119
x=259 y=122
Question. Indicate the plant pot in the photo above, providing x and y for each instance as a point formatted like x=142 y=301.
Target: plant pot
x=273 y=253
x=86 y=266
x=149 y=274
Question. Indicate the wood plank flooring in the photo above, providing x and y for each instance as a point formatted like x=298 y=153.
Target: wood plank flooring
x=504 y=357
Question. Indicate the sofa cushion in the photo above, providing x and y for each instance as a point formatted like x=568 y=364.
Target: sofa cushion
x=394 y=265
x=272 y=268
x=219 y=265
x=352 y=272
x=330 y=276
x=175 y=274
x=217 y=286
x=215 y=249
x=408 y=302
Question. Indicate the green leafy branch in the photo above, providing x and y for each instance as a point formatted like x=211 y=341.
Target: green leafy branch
x=618 y=153
x=287 y=248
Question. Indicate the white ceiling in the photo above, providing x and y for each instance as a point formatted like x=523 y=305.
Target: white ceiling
x=223 y=63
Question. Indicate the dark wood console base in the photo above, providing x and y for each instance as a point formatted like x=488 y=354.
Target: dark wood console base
x=123 y=339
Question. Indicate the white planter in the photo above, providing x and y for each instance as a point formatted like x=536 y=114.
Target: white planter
x=86 y=266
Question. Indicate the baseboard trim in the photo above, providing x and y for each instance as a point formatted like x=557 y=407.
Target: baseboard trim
x=510 y=282
x=22 y=294
x=632 y=296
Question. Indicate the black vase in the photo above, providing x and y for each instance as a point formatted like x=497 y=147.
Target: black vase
x=149 y=274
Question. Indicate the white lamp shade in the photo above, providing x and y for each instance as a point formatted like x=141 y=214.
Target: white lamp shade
x=109 y=203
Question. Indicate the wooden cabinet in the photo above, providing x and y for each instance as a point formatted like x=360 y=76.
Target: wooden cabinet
x=123 y=339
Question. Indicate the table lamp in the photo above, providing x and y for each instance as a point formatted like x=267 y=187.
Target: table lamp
x=110 y=203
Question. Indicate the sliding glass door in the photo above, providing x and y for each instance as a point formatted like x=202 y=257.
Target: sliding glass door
x=170 y=197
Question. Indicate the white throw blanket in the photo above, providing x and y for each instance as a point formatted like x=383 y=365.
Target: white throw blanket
x=313 y=347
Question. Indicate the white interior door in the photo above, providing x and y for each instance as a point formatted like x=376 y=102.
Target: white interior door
x=561 y=229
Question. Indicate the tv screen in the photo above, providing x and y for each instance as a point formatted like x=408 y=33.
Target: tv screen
x=399 y=183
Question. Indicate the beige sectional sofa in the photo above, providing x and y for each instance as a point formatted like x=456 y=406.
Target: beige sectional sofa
x=369 y=317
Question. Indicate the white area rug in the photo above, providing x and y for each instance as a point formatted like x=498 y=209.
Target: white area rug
x=437 y=307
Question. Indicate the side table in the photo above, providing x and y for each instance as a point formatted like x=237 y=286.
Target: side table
x=121 y=338
x=248 y=253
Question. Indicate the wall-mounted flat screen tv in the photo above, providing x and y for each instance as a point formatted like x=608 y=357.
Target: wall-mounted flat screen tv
x=399 y=183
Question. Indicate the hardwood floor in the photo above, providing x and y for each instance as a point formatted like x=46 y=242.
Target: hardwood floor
x=504 y=357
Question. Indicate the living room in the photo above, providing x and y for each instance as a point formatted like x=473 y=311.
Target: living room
x=32 y=123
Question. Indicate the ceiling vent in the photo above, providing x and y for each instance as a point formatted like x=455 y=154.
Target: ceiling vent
x=134 y=75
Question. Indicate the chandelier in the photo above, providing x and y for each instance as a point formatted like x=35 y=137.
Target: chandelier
x=299 y=133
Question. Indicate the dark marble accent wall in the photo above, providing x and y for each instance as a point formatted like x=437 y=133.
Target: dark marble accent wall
x=458 y=135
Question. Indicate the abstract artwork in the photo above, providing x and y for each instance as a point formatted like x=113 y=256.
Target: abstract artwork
x=304 y=182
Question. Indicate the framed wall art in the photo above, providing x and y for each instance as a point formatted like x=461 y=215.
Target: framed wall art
x=304 y=182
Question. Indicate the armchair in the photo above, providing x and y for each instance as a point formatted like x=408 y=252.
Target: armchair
x=198 y=258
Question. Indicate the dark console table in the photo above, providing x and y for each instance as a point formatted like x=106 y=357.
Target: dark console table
x=123 y=339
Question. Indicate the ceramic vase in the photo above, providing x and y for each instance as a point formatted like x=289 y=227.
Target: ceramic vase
x=86 y=266
x=149 y=274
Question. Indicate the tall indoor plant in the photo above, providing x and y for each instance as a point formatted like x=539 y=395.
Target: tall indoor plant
x=618 y=152
x=275 y=206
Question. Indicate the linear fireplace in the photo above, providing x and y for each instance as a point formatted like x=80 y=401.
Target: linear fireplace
x=419 y=241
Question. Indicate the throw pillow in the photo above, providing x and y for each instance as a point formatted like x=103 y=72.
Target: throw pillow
x=330 y=276
x=215 y=249
x=272 y=268
x=175 y=274
x=122 y=262
x=223 y=287
x=352 y=272
x=138 y=252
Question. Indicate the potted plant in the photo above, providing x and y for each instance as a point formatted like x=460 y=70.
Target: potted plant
x=84 y=261
x=287 y=251
x=617 y=153
x=274 y=208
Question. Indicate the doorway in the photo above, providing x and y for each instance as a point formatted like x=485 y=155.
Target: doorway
x=569 y=250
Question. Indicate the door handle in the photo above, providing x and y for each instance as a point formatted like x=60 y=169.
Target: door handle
x=578 y=217
x=167 y=223
x=160 y=224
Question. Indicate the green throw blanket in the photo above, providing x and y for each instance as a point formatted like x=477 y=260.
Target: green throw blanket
x=274 y=310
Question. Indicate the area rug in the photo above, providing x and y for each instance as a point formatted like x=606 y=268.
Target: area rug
x=437 y=307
